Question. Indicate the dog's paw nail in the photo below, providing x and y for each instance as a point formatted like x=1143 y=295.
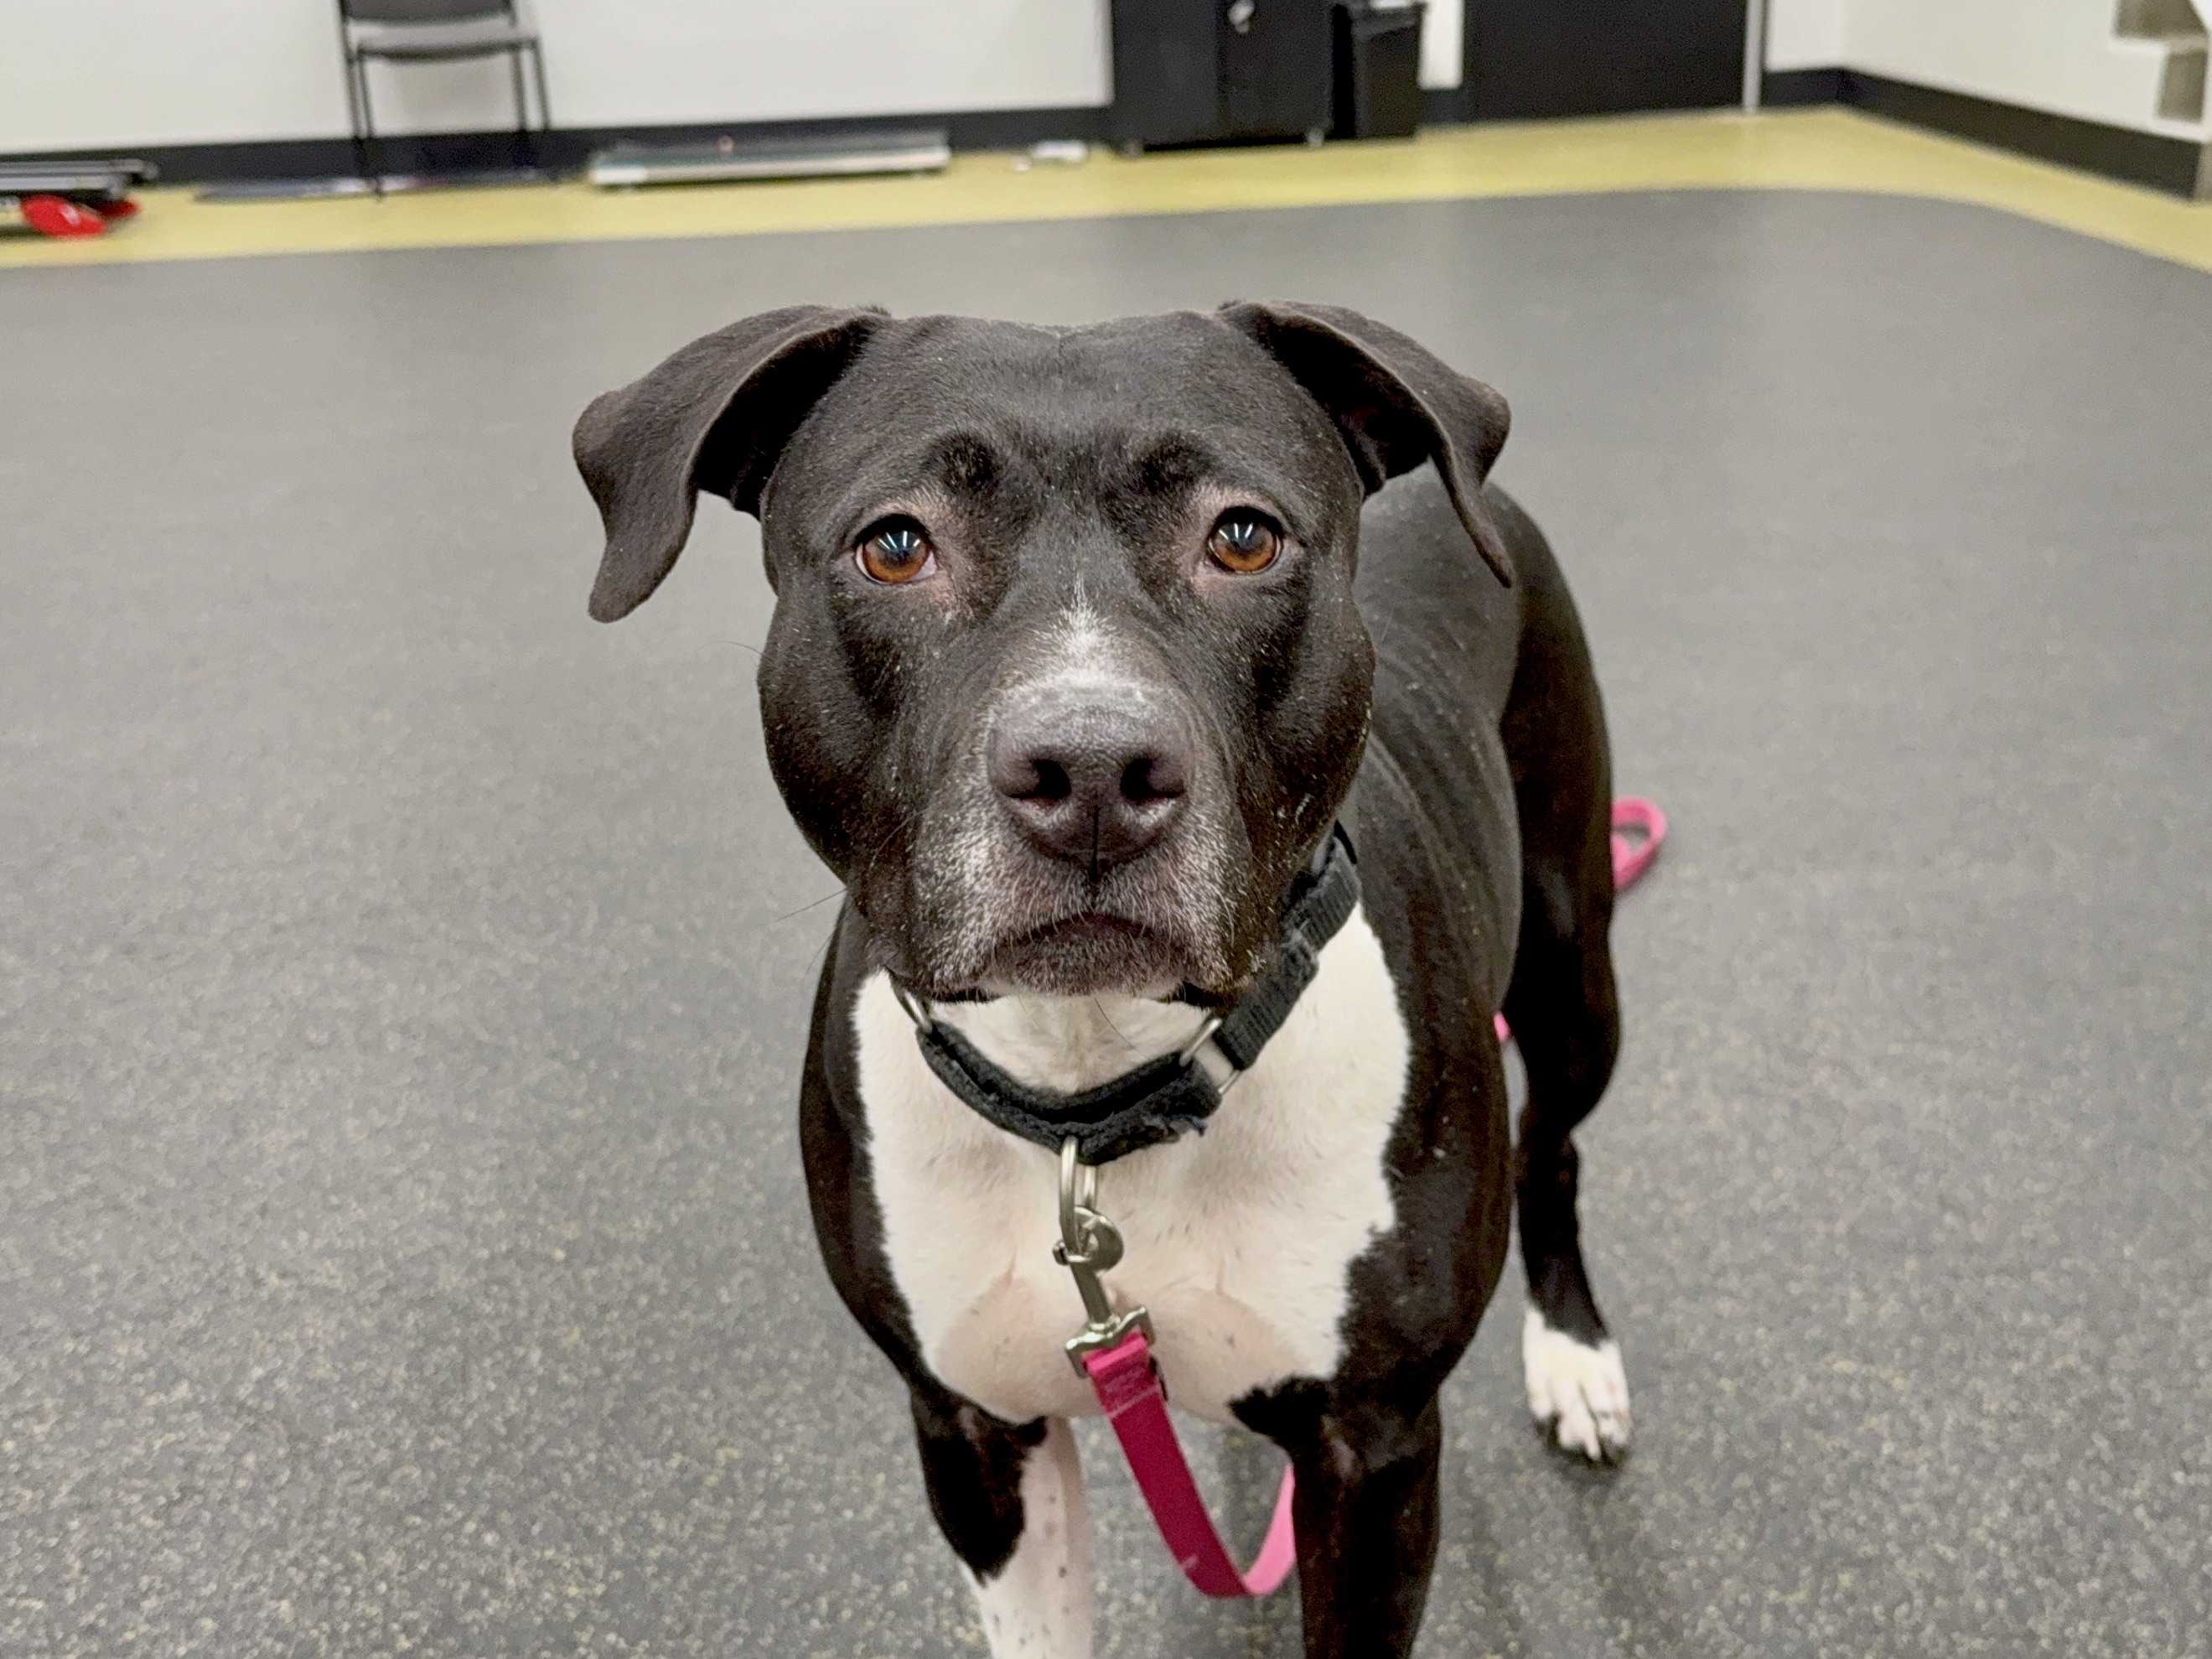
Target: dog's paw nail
x=1577 y=1394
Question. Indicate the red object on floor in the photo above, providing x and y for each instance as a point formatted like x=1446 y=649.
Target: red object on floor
x=57 y=215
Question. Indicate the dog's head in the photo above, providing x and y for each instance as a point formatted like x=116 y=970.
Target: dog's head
x=1065 y=680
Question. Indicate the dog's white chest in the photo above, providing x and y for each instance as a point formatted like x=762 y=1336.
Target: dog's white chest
x=1239 y=1240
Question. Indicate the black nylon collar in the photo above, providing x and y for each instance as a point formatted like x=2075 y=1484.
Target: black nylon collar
x=1171 y=1096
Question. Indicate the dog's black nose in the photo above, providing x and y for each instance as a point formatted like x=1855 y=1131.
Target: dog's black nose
x=1087 y=781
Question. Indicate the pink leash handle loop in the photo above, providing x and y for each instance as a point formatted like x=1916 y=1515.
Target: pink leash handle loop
x=1130 y=1392
x=1632 y=857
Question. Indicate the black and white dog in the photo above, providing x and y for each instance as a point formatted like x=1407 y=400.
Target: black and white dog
x=1087 y=643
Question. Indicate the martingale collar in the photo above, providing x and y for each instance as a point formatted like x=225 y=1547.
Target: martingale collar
x=1166 y=1097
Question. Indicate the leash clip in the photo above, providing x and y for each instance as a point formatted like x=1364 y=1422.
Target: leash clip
x=1089 y=1245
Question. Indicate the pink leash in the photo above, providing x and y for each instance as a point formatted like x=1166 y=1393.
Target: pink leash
x=1129 y=1392
x=1115 y=1352
x=1632 y=853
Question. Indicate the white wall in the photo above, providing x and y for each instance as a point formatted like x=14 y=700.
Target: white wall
x=1804 y=34
x=1443 y=39
x=2056 y=55
x=144 y=72
x=123 y=72
x=2062 y=56
x=648 y=62
x=118 y=73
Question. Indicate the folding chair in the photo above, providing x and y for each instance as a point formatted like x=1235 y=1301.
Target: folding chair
x=436 y=31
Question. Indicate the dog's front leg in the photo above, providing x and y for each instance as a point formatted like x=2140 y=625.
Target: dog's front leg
x=1009 y=1500
x=1366 y=1519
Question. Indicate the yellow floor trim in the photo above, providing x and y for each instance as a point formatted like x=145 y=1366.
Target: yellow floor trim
x=1797 y=149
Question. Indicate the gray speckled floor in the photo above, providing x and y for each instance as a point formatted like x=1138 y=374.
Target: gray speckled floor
x=401 y=978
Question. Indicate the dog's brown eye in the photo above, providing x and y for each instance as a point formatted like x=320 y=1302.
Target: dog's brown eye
x=1245 y=543
x=896 y=551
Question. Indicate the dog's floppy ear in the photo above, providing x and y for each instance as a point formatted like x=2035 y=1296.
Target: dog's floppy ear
x=715 y=415
x=1396 y=403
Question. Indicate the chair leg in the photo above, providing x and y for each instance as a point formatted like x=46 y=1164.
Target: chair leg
x=544 y=107
x=353 y=115
x=526 y=149
x=371 y=149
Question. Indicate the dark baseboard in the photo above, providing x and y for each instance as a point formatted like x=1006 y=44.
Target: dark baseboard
x=2138 y=158
x=1445 y=106
x=564 y=150
x=1795 y=89
x=2141 y=158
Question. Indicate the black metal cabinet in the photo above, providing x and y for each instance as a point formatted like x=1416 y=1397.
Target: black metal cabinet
x=1540 y=57
x=1200 y=71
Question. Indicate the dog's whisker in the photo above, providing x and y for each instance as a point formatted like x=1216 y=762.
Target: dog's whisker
x=1099 y=1004
x=811 y=904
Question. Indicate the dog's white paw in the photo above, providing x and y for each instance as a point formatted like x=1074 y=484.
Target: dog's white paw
x=1577 y=1394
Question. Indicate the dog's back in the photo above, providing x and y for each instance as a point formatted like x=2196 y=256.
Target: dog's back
x=1479 y=688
